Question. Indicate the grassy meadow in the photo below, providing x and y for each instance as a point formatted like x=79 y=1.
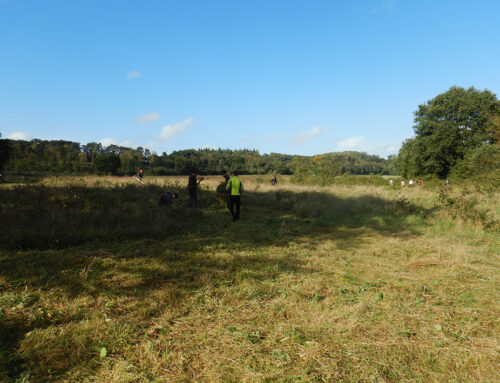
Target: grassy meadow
x=345 y=283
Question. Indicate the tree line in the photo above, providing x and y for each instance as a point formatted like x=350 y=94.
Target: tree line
x=457 y=133
x=66 y=157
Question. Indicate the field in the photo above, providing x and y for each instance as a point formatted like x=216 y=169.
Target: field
x=348 y=283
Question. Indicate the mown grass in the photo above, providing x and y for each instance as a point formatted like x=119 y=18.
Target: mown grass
x=342 y=283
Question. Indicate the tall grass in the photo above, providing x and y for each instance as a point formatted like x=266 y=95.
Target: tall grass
x=42 y=216
x=347 y=283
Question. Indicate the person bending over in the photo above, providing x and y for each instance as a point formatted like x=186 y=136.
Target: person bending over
x=166 y=198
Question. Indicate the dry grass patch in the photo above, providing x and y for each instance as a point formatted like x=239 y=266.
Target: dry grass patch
x=348 y=284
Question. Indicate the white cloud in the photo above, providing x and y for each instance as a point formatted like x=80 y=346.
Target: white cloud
x=133 y=74
x=250 y=138
x=360 y=144
x=386 y=148
x=351 y=143
x=306 y=136
x=169 y=132
x=20 y=136
x=388 y=5
x=150 y=117
x=113 y=141
x=276 y=137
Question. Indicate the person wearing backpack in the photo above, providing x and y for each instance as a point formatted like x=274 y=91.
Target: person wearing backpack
x=235 y=186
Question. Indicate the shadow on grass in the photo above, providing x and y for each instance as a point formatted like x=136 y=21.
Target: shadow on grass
x=116 y=242
x=43 y=217
x=125 y=222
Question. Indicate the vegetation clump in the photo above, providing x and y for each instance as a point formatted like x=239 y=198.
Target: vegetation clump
x=462 y=204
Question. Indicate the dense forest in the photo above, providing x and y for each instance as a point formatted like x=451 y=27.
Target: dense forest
x=66 y=157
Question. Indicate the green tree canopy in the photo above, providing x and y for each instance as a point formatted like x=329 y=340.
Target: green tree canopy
x=446 y=127
x=56 y=157
x=108 y=163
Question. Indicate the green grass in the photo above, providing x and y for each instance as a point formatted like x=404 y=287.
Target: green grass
x=345 y=283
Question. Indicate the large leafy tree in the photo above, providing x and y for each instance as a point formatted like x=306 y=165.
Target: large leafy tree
x=446 y=127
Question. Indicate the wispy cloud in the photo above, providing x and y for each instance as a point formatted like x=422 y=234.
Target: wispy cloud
x=113 y=141
x=133 y=74
x=275 y=137
x=361 y=144
x=169 y=132
x=249 y=139
x=351 y=143
x=150 y=117
x=20 y=136
x=300 y=139
x=388 y=5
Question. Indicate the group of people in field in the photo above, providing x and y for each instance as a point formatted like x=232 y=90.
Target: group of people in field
x=234 y=188
x=411 y=182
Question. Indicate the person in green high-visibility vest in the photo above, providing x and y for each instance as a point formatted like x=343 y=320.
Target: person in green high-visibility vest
x=235 y=186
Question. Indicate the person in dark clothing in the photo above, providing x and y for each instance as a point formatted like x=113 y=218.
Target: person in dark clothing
x=274 y=181
x=140 y=174
x=235 y=186
x=226 y=177
x=166 y=198
x=193 y=183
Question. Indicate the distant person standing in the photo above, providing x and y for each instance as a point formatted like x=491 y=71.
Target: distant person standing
x=403 y=184
x=274 y=181
x=410 y=182
x=193 y=183
x=235 y=186
x=391 y=182
x=226 y=177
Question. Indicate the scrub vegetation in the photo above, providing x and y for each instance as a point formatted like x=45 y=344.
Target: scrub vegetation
x=355 y=282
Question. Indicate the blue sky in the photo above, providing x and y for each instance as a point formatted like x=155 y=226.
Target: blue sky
x=299 y=77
